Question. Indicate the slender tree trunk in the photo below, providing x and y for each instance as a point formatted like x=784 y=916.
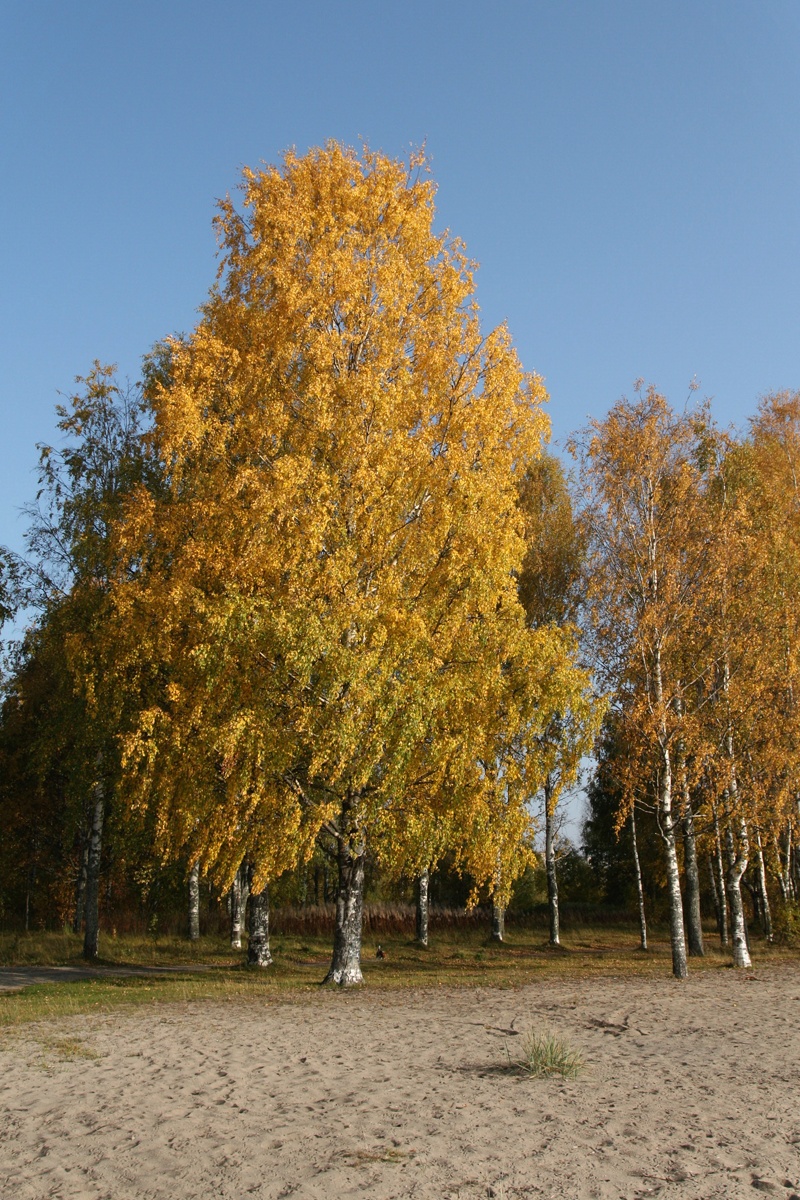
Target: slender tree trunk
x=423 y=887
x=737 y=865
x=550 y=862
x=784 y=857
x=723 y=891
x=194 y=902
x=737 y=862
x=258 y=953
x=345 y=968
x=691 y=909
x=677 y=935
x=80 y=886
x=761 y=868
x=91 y=935
x=240 y=890
x=680 y=967
x=639 y=888
x=694 y=926
x=498 y=923
x=712 y=878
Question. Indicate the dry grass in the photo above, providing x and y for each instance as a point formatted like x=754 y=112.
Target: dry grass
x=544 y=1054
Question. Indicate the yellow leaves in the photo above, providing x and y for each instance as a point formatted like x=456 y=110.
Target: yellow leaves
x=330 y=588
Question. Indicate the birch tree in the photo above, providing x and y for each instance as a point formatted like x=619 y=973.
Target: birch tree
x=550 y=587
x=641 y=486
x=327 y=619
x=71 y=560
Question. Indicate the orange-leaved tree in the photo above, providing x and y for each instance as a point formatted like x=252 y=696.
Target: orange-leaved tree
x=648 y=557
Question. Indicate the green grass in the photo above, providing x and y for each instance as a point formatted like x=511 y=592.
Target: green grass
x=544 y=1054
x=455 y=958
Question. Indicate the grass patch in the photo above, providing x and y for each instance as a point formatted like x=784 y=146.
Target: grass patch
x=542 y=1055
x=455 y=958
x=67 y=1049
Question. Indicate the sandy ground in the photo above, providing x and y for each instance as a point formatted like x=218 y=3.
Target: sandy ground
x=690 y=1090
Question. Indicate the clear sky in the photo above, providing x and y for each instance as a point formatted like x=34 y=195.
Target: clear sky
x=626 y=172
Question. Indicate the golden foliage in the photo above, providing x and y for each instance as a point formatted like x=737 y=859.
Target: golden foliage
x=326 y=608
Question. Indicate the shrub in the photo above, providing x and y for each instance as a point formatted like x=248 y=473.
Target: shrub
x=786 y=924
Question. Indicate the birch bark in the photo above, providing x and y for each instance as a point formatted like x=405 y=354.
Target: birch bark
x=194 y=902
x=423 y=887
x=345 y=968
x=723 y=891
x=240 y=890
x=784 y=856
x=550 y=863
x=258 y=952
x=766 y=913
x=737 y=865
x=667 y=825
x=498 y=923
x=639 y=888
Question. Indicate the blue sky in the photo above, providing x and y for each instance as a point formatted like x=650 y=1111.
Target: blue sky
x=626 y=172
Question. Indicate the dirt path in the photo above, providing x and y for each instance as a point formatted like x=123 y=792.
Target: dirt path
x=14 y=979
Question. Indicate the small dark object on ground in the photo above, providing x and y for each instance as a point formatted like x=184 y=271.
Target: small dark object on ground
x=380 y=952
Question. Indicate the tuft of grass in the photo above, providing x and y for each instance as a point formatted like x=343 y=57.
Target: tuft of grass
x=67 y=1049
x=545 y=1054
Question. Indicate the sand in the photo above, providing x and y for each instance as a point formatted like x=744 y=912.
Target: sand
x=690 y=1090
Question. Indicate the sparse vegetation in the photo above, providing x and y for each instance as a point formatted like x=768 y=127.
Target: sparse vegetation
x=543 y=1053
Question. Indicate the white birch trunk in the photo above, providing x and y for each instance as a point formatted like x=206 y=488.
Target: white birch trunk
x=258 y=952
x=783 y=854
x=737 y=865
x=194 y=902
x=345 y=968
x=766 y=913
x=676 y=931
x=550 y=863
x=240 y=890
x=723 y=891
x=639 y=888
x=498 y=923
x=423 y=889
x=737 y=862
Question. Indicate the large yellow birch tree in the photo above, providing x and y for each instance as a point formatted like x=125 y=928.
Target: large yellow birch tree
x=325 y=632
